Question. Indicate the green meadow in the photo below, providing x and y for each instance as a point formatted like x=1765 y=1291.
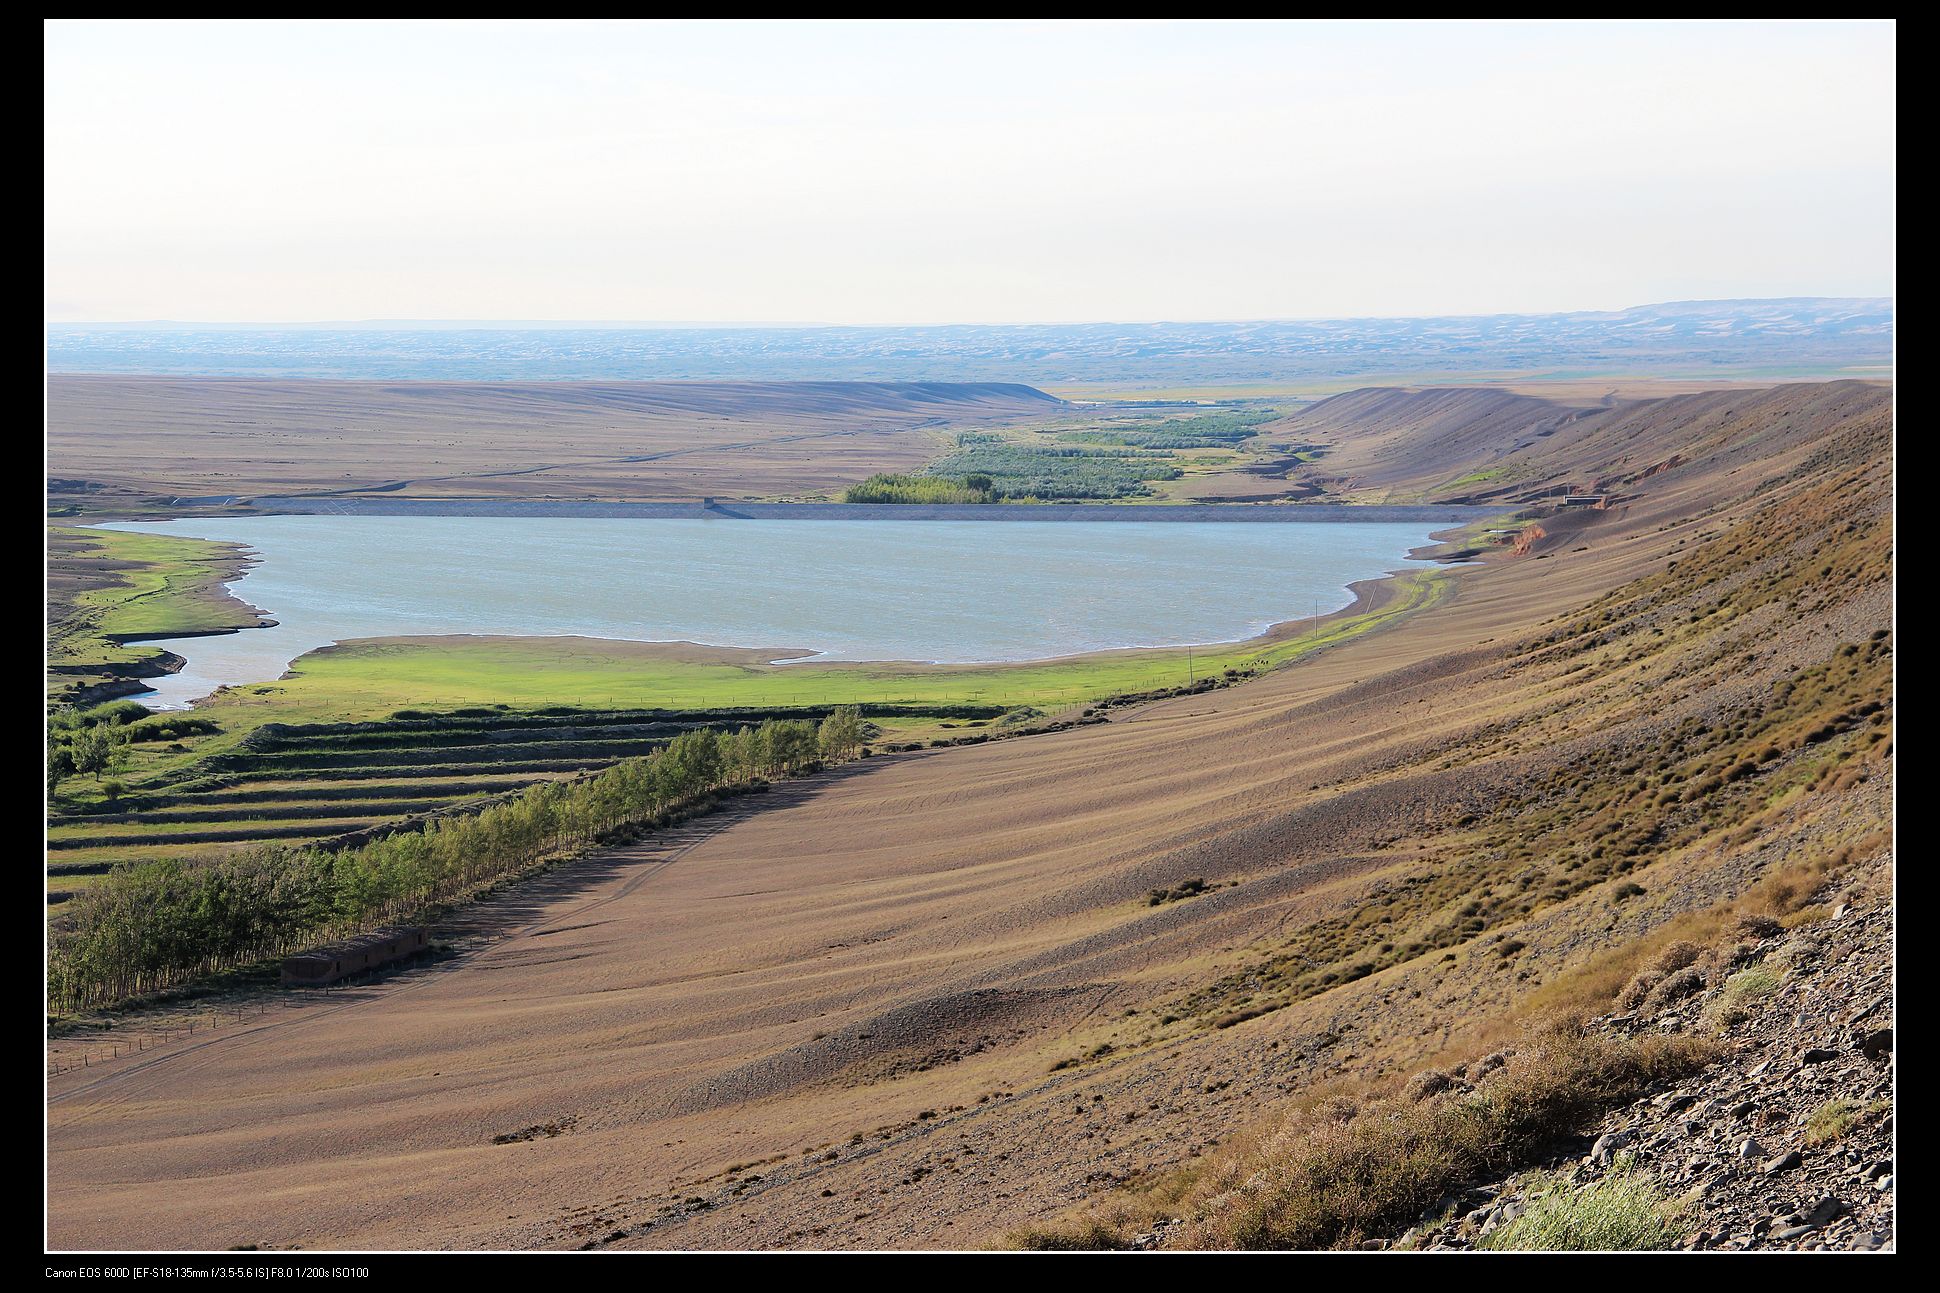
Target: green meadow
x=363 y=680
x=106 y=586
x=168 y=586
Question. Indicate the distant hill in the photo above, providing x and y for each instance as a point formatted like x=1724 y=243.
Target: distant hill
x=1789 y=337
x=1468 y=445
x=136 y=440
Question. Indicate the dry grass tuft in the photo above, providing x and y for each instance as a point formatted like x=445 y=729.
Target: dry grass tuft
x=1335 y=1173
x=1328 y=1184
x=1620 y=1213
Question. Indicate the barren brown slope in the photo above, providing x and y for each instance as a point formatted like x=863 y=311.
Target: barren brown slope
x=1470 y=445
x=199 y=437
x=1408 y=441
x=834 y=1021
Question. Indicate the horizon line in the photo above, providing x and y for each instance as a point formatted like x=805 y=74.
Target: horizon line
x=675 y=324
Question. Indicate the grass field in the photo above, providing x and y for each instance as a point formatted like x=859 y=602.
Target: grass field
x=106 y=587
x=171 y=585
x=366 y=679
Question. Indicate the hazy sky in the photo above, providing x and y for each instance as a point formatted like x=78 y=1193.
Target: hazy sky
x=924 y=173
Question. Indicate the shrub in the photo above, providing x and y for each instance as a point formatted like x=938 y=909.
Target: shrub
x=1184 y=889
x=1642 y=992
x=1831 y=1121
x=1673 y=987
x=891 y=488
x=1622 y=1212
x=1052 y=471
x=1223 y=430
x=1427 y=1083
x=116 y=713
x=1097 y=1237
x=1321 y=1183
x=1677 y=956
x=169 y=729
x=1733 y=1005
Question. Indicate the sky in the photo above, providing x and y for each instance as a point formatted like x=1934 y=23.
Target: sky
x=912 y=173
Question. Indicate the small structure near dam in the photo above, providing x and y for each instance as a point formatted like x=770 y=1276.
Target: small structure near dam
x=337 y=961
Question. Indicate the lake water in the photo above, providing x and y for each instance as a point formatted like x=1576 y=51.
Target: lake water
x=954 y=591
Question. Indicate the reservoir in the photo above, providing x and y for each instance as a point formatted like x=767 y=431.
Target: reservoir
x=940 y=590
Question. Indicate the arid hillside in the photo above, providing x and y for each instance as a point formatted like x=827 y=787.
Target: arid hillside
x=1485 y=446
x=934 y=998
x=120 y=441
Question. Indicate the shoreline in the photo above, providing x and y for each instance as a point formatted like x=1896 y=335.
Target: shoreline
x=1442 y=550
x=1366 y=596
x=715 y=509
x=227 y=564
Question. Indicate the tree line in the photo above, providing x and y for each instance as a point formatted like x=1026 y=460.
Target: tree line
x=892 y=487
x=1050 y=471
x=149 y=926
x=1224 y=430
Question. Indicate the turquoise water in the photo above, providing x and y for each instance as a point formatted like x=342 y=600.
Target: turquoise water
x=954 y=591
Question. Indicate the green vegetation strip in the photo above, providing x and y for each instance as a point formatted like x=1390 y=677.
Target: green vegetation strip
x=159 y=924
x=1117 y=458
x=141 y=585
x=533 y=672
x=1213 y=431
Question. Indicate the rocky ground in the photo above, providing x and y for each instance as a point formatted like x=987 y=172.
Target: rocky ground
x=1786 y=1142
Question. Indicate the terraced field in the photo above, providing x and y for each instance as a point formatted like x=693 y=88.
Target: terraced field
x=321 y=783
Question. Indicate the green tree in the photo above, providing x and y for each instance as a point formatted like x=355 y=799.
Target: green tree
x=840 y=736
x=119 y=739
x=60 y=763
x=92 y=748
